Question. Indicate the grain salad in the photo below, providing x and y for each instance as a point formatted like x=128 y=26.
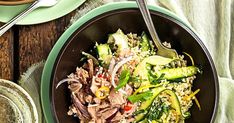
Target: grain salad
x=124 y=80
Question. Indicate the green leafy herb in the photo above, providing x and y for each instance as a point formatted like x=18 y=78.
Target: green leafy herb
x=139 y=112
x=123 y=79
x=178 y=80
x=187 y=115
x=153 y=79
x=156 y=110
x=136 y=79
x=83 y=58
x=140 y=97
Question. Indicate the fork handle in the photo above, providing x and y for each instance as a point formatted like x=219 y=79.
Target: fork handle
x=18 y=17
x=148 y=21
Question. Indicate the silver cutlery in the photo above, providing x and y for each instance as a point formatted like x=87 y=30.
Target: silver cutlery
x=33 y=6
x=162 y=50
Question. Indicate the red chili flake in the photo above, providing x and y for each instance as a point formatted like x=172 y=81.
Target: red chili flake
x=100 y=75
x=127 y=108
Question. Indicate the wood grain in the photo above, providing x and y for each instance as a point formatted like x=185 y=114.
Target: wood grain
x=6 y=55
x=35 y=42
x=14 y=2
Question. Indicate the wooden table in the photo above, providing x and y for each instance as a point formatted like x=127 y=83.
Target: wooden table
x=23 y=46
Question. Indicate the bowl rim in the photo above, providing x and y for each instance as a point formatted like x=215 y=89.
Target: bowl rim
x=52 y=57
x=12 y=3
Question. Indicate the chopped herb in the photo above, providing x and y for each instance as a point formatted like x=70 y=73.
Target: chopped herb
x=153 y=79
x=140 y=97
x=156 y=81
x=187 y=115
x=123 y=79
x=139 y=112
x=83 y=58
x=156 y=110
x=178 y=80
x=136 y=79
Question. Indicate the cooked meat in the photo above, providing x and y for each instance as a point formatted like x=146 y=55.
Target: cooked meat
x=103 y=110
x=117 y=117
x=92 y=109
x=97 y=83
x=131 y=111
x=81 y=96
x=106 y=83
x=116 y=98
x=72 y=110
x=81 y=109
x=92 y=121
x=72 y=76
x=100 y=120
x=109 y=113
x=82 y=75
x=90 y=65
x=130 y=120
x=128 y=89
x=94 y=85
x=125 y=53
x=104 y=105
x=88 y=99
x=111 y=66
x=96 y=100
x=101 y=115
x=75 y=87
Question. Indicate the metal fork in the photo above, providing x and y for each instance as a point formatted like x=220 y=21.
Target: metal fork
x=162 y=50
x=33 y=6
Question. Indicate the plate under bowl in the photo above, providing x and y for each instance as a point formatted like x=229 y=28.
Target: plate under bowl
x=15 y=2
x=95 y=27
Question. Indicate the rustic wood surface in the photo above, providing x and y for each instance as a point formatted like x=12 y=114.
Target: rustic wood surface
x=6 y=55
x=23 y=46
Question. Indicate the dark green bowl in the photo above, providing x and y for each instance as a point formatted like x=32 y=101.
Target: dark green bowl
x=95 y=26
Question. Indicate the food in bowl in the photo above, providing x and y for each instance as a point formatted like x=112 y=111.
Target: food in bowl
x=126 y=81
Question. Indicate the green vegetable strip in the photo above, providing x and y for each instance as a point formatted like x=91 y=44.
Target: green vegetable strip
x=104 y=53
x=140 y=97
x=123 y=79
x=144 y=105
x=119 y=39
x=157 y=108
x=175 y=73
x=103 y=50
x=144 y=42
x=156 y=111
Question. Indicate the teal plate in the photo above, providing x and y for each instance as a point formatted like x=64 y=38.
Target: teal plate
x=48 y=69
x=39 y=15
